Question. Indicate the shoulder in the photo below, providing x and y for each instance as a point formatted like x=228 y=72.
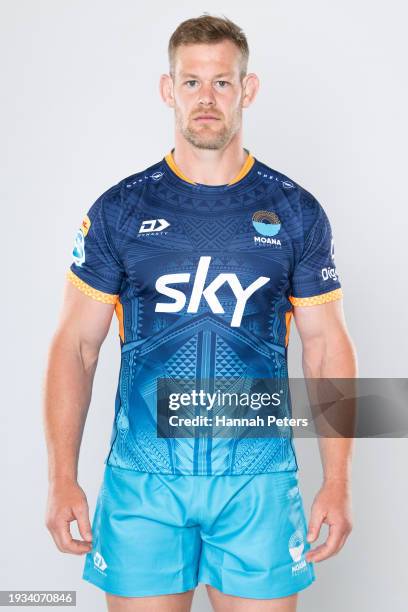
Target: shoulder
x=139 y=180
x=116 y=199
x=302 y=202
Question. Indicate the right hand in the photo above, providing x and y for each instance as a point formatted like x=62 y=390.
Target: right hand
x=66 y=503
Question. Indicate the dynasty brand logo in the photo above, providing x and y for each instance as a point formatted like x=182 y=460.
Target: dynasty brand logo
x=153 y=225
x=208 y=293
x=99 y=562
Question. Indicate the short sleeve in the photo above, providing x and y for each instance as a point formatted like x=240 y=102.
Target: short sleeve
x=315 y=279
x=96 y=269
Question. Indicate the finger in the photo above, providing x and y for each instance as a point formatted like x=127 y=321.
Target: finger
x=311 y=552
x=330 y=547
x=65 y=541
x=315 y=525
x=312 y=556
x=343 y=541
x=84 y=526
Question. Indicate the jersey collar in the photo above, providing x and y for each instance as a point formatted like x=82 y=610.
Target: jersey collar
x=249 y=162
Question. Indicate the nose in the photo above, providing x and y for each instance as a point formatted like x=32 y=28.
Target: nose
x=206 y=96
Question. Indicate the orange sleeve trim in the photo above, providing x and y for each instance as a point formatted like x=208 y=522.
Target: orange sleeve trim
x=324 y=298
x=106 y=298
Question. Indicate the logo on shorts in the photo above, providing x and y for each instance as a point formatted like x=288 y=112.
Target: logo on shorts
x=296 y=546
x=99 y=562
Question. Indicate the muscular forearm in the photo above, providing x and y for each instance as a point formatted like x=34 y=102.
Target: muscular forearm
x=330 y=358
x=336 y=359
x=67 y=395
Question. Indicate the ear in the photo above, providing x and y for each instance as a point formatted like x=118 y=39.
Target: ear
x=167 y=90
x=250 y=86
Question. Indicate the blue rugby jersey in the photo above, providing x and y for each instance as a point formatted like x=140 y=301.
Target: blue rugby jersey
x=204 y=280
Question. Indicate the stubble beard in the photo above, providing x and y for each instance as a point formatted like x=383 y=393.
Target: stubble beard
x=204 y=137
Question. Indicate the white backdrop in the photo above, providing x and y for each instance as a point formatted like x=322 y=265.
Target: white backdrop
x=80 y=111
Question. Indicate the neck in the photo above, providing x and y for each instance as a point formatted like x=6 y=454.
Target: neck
x=207 y=166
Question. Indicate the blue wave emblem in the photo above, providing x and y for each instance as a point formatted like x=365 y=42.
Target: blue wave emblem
x=267 y=229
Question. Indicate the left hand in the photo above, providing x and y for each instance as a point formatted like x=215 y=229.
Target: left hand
x=332 y=505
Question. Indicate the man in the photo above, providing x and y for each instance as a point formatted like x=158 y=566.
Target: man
x=204 y=256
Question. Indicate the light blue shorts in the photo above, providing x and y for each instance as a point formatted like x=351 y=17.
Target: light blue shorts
x=157 y=534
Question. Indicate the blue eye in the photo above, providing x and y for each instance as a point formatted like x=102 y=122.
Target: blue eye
x=222 y=83
x=189 y=82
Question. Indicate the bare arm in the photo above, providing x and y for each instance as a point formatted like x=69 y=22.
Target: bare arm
x=72 y=361
x=328 y=352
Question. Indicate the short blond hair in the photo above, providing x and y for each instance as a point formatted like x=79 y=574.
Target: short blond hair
x=208 y=29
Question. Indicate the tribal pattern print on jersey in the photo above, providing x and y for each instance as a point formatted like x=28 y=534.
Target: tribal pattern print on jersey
x=204 y=280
